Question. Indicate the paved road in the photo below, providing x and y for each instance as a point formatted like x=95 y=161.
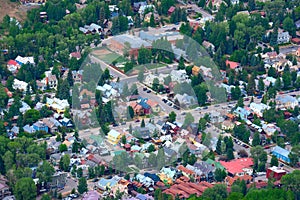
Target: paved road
x=289 y=49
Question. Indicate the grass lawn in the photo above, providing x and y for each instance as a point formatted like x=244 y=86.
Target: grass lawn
x=108 y=56
x=151 y=65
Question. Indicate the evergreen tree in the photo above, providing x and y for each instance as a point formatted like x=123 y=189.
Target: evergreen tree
x=82 y=185
x=219 y=144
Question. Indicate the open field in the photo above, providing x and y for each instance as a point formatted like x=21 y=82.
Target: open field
x=108 y=56
x=14 y=9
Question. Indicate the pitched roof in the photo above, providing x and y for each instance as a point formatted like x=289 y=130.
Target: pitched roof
x=237 y=165
x=281 y=151
x=232 y=64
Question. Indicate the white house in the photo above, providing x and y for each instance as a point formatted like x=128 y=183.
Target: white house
x=25 y=60
x=259 y=109
x=286 y=101
x=179 y=76
x=19 y=85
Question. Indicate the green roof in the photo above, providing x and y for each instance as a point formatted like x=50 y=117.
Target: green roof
x=218 y=165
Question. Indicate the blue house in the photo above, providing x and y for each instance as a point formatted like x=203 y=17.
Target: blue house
x=40 y=126
x=281 y=154
x=242 y=113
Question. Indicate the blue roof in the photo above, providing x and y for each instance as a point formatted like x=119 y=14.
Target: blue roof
x=143 y=102
x=281 y=151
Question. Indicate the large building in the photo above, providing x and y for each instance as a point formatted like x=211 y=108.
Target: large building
x=129 y=43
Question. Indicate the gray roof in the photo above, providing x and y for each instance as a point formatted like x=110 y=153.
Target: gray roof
x=135 y=42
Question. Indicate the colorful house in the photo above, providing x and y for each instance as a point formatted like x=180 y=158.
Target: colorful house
x=113 y=136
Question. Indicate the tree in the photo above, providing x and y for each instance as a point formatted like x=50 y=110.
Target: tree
x=31 y=116
x=291 y=182
x=294 y=155
x=160 y=158
x=44 y=172
x=82 y=185
x=256 y=139
x=46 y=197
x=219 y=144
x=25 y=189
x=140 y=77
x=259 y=156
x=274 y=161
x=70 y=78
x=181 y=64
x=64 y=162
x=229 y=154
x=155 y=84
x=128 y=67
x=172 y=116
x=207 y=140
x=289 y=25
x=151 y=148
x=143 y=123
x=152 y=21
x=220 y=175
x=261 y=85
x=130 y=112
x=63 y=147
x=123 y=139
x=91 y=171
x=202 y=124
x=219 y=191
x=188 y=120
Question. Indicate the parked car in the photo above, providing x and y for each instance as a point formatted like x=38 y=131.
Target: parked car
x=148 y=91
x=144 y=89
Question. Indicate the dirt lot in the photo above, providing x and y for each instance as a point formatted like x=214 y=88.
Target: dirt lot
x=14 y=9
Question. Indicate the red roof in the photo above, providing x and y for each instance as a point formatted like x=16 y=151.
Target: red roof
x=296 y=40
x=185 y=170
x=237 y=165
x=171 y=9
x=76 y=55
x=12 y=62
x=232 y=64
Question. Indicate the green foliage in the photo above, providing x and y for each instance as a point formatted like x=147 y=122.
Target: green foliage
x=220 y=175
x=219 y=191
x=25 y=189
x=172 y=116
x=82 y=186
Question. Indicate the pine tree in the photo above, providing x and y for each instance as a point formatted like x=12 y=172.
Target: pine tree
x=143 y=123
x=219 y=144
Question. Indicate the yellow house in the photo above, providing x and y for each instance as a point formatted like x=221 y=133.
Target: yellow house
x=195 y=70
x=113 y=136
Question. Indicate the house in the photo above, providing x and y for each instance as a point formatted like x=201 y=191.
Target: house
x=91 y=195
x=185 y=100
x=76 y=55
x=25 y=60
x=233 y=65
x=298 y=52
x=24 y=107
x=137 y=5
x=58 y=180
x=230 y=180
x=187 y=172
x=179 y=76
x=259 y=108
x=171 y=10
x=148 y=17
x=281 y=154
x=57 y=105
x=239 y=166
x=275 y=172
x=91 y=29
x=145 y=7
x=4 y=188
x=146 y=181
x=216 y=117
x=66 y=122
x=141 y=106
x=208 y=45
x=286 y=101
x=283 y=37
x=77 y=76
x=113 y=136
x=270 y=129
x=20 y=85
x=297 y=24
x=40 y=126
x=52 y=124
x=28 y=129
x=105 y=184
x=195 y=70
x=234 y=2
x=242 y=113
x=227 y=125
x=122 y=43
x=13 y=66
x=203 y=170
